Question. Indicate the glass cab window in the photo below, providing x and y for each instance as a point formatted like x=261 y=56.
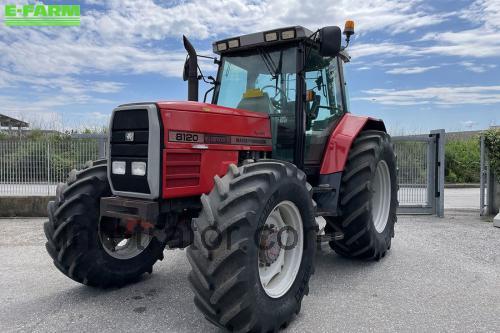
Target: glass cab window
x=263 y=81
x=324 y=106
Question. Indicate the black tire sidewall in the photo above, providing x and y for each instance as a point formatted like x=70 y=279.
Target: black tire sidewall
x=383 y=239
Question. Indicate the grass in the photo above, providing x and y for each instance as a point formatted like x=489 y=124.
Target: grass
x=462 y=161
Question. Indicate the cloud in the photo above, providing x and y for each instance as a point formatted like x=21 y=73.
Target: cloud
x=150 y=20
x=485 y=95
x=64 y=84
x=85 y=57
x=477 y=68
x=384 y=50
x=482 y=41
x=485 y=11
x=39 y=110
x=119 y=36
x=469 y=124
x=476 y=43
x=411 y=70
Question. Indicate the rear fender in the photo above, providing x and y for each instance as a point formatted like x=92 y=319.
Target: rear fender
x=341 y=139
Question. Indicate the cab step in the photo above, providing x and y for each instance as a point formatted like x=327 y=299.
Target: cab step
x=326 y=213
x=330 y=237
x=324 y=188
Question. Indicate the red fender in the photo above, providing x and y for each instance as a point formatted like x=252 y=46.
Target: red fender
x=341 y=139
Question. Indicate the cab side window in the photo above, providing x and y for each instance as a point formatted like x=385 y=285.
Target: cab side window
x=325 y=105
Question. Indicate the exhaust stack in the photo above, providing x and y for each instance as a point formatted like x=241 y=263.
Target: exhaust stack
x=191 y=70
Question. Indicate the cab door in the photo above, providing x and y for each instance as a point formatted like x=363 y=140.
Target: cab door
x=325 y=105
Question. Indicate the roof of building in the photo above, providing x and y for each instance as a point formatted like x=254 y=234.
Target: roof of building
x=6 y=121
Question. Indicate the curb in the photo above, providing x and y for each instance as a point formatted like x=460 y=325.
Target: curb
x=462 y=186
x=33 y=206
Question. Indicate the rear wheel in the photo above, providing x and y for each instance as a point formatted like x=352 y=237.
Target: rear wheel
x=98 y=252
x=254 y=246
x=368 y=199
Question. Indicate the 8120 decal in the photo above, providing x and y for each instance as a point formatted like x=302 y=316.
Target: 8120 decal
x=189 y=137
x=185 y=137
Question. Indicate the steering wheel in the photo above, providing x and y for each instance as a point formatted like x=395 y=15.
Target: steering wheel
x=279 y=92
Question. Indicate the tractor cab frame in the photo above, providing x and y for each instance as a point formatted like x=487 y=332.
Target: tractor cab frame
x=292 y=74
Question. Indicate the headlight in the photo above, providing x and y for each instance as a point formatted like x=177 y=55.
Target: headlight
x=271 y=36
x=221 y=46
x=289 y=34
x=138 y=168
x=118 y=167
x=233 y=43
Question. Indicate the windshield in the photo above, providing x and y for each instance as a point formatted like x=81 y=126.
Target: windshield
x=249 y=81
x=263 y=81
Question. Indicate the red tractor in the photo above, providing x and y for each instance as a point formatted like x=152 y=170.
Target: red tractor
x=249 y=183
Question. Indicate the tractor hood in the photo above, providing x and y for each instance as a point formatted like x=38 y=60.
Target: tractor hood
x=208 y=108
x=203 y=118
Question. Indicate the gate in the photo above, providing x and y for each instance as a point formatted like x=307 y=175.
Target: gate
x=487 y=204
x=420 y=161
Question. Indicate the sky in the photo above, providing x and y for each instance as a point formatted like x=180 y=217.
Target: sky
x=419 y=65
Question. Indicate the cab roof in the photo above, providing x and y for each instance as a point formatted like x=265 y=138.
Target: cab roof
x=259 y=39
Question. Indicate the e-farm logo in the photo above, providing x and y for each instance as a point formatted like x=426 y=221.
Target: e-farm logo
x=42 y=15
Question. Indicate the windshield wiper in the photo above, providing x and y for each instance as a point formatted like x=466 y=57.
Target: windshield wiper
x=268 y=61
x=278 y=70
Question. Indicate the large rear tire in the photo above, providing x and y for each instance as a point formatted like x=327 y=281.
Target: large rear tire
x=368 y=199
x=241 y=280
x=75 y=235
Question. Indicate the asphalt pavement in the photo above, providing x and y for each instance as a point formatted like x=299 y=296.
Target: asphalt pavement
x=440 y=275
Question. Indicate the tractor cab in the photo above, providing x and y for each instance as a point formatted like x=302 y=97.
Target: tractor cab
x=293 y=75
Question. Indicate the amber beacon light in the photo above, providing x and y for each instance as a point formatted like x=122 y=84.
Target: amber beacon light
x=348 y=30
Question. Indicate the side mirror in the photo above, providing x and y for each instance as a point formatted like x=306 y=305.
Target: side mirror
x=330 y=41
x=185 y=72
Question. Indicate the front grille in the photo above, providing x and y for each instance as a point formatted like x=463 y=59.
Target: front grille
x=131 y=119
x=129 y=143
x=182 y=169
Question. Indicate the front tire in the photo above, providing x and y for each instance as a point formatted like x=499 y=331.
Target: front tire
x=234 y=244
x=75 y=236
x=368 y=199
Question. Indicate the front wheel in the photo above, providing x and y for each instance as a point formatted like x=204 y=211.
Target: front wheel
x=101 y=252
x=254 y=246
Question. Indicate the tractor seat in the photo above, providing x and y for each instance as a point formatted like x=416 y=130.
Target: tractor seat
x=255 y=100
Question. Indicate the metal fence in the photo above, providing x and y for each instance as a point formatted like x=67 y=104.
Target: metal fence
x=35 y=167
x=420 y=161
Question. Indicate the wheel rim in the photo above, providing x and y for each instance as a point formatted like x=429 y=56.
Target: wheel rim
x=279 y=261
x=123 y=242
x=381 y=196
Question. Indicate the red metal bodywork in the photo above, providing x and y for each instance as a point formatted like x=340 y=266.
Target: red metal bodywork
x=182 y=174
x=340 y=142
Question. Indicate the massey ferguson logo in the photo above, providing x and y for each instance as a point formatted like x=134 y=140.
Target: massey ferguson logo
x=129 y=136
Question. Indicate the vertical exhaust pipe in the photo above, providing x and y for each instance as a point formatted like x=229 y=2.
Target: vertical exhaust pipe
x=191 y=72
